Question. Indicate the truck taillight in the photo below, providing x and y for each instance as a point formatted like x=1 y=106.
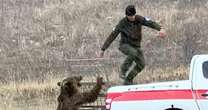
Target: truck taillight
x=108 y=104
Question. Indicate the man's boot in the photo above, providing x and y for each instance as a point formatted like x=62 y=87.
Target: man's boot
x=128 y=82
x=122 y=76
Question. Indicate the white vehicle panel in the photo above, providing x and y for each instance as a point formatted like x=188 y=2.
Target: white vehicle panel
x=154 y=105
x=171 y=85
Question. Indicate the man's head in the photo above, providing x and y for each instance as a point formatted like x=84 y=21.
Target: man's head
x=130 y=12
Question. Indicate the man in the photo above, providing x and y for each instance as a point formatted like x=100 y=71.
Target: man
x=130 y=28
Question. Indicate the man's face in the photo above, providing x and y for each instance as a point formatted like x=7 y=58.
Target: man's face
x=131 y=18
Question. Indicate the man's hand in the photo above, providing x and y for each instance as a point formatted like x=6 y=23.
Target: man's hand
x=101 y=54
x=162 y=33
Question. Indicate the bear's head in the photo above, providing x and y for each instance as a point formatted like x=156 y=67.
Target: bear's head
x=70 y=85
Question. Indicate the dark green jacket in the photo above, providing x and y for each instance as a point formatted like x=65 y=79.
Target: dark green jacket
x=131 y=32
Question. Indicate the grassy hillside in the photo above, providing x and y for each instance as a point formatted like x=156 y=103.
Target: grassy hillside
x=37 y=36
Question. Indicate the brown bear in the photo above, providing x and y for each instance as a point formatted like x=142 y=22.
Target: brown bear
x=71 y=98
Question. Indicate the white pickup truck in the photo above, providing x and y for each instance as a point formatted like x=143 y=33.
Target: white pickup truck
x=189 y=94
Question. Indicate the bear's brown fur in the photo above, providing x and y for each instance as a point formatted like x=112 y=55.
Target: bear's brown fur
x=70 y=98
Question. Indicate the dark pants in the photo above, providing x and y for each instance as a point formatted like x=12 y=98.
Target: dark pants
x=134 y=54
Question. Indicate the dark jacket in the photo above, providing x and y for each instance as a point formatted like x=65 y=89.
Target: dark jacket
x=131 y=32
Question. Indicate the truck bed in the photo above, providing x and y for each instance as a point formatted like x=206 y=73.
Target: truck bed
x=171 y=85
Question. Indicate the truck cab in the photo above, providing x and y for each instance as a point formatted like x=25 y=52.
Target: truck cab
x=191 y=94
x=199 y=79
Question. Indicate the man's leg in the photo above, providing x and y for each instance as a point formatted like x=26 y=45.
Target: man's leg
x=131 y=53
x=140 y=64
x=125 y=67
x=128 y=50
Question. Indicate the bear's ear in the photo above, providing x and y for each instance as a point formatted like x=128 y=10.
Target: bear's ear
x=59 y=83
x=79 y=78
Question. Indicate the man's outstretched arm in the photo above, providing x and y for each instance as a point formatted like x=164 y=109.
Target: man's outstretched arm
x=154 y=25
x=109 y=40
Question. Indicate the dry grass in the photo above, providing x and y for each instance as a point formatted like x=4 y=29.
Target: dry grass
x=38 y=36
x=28 y=95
